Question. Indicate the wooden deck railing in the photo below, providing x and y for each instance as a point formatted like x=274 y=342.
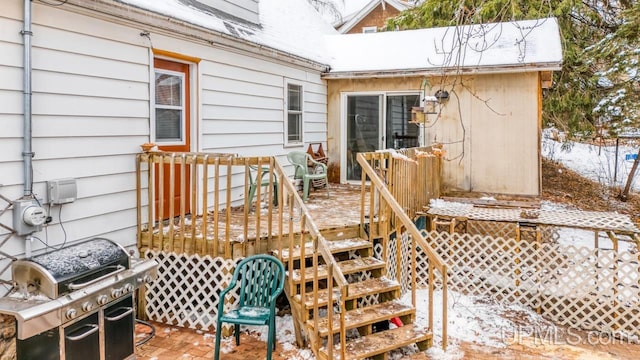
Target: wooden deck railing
x=399 y=184
x=213 y=216
x=210 y=213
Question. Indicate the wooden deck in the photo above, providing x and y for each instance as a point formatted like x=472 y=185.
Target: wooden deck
x=340 y=210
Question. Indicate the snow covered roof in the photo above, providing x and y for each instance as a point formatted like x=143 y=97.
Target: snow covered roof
x=350 y=20
x=297 y=30
x=496 y=47
x=293 y=27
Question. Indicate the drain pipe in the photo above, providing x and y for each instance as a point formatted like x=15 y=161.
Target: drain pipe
x=27 y=151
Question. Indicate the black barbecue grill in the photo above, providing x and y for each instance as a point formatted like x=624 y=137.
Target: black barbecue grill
x=78 y=299
x=60 y=272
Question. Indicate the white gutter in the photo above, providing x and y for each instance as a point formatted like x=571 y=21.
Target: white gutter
x=27 y=151
x=501 y=69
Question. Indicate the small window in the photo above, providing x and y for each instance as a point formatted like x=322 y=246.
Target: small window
x=169 y=106
x=294 y=111
x=369 y=29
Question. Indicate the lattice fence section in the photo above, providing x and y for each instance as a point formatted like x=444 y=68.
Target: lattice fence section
x=594 y=289
x=186 y=291
x=404 y=258
x=508 y=230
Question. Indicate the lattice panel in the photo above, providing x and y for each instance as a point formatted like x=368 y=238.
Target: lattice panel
x=353 y=278
x=405 y=261
x=186 y=291
x=573 y=285
x=508 y=230
x=493 y=228
x=604 y=221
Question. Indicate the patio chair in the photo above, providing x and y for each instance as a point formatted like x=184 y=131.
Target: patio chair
x=264 y=181
x=261 y=281
x=309 y=170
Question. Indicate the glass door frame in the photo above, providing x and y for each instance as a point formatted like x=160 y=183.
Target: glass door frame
x=382 y=121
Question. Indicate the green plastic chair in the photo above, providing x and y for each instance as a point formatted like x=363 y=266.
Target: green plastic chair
x=303 y=163
x=264 y=181
x=261 y=281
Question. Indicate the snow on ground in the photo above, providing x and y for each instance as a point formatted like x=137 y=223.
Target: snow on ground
x=591 y=161
x=472 y=319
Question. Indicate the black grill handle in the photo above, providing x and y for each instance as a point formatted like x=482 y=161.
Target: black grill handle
x=118 y=268
x=92 y=329
x=118 y=317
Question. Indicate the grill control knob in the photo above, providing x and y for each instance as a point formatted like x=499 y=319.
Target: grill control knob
x=71 y=313
x=128 y=288
x=147 y=279
x=87 y=306
x=102 y=299
x=115 y=293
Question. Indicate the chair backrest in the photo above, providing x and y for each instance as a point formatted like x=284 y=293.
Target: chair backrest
x=261 y=280
x=265 y=171
x=299 y=160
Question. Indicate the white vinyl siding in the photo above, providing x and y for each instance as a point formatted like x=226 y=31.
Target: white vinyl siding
x=90 y=107
x=242 y=105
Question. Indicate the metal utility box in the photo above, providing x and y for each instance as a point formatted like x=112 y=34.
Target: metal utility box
x=62 y=191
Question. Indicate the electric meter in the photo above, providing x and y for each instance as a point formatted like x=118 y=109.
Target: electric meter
x=34 y=215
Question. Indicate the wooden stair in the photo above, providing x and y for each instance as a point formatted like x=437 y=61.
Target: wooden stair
x=372 y=300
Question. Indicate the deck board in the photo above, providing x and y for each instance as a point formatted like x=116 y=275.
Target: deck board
x=341 y=209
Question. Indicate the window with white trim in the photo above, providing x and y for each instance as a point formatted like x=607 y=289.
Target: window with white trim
x=294 y=115
x=369 y=29
x=169 y=106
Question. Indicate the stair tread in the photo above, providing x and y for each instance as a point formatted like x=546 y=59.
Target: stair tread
x=355 y=290
x=335 y=246
x=365 y=316
x=347 y=267
x=381 y=342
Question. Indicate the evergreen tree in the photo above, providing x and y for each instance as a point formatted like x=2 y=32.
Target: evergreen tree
x=616 y=58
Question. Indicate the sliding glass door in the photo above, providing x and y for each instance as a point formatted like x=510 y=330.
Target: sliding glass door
x=363 y=129
x=377 y=121
x=400 y=133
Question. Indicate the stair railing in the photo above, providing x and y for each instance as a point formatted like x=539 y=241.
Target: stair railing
x=394 y=187
x=320 y=247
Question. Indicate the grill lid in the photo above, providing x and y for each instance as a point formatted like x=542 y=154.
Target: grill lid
x=61 y=271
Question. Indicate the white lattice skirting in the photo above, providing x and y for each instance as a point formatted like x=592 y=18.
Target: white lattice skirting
x=186 y=291
x=594 y=289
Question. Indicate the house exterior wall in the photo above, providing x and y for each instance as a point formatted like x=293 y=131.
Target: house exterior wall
x=490 y=129
x=377 y=17
x=91 y=111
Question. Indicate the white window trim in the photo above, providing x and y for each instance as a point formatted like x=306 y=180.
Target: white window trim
x=155 y=106
x=369 y=29
x=287 y=143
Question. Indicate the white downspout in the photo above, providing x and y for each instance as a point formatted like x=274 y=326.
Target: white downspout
x=27 y=151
